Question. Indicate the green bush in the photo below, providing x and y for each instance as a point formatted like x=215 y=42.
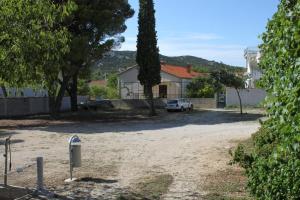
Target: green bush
x=274 y=171
x=104 y=92
x=112 y=93
x=202 y=88
x=83 y=87
x=98 y=91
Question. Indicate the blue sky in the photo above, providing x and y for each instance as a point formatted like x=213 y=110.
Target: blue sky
x=217 y=30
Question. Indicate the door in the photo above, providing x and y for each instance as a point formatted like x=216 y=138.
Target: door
x=221 y=100
x=163 y=91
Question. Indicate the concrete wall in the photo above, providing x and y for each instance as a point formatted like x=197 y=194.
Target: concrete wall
x=160 y=103
x=250 y=97
x=136 y=103
x=204 y=102
x=12 y=107
x=22 y=106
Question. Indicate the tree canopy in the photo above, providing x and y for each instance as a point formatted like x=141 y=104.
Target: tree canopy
x=203 y=88
x=32 y=45
x=50 y=43
x=95 y=28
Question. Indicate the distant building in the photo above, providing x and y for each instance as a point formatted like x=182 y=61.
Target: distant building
x=252 y=56
x=174 y=80
x=99 y=83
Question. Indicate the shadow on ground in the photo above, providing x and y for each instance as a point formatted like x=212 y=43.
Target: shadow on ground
x=96 y=180
x=13 y=141
x=171 y=120
x=5 y=134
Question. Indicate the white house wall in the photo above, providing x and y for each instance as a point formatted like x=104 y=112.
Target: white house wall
x=250 y=97
x=129 y=84
x=253 y=72
x=130 y=88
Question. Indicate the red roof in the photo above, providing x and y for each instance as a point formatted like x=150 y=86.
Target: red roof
x=98 y=83
x=181 y=72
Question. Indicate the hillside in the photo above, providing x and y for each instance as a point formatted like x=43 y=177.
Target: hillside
x=116 y=61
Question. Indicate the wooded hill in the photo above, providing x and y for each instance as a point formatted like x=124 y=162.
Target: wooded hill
x=117 y=61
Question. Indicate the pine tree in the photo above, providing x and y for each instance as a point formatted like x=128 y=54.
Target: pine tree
x=95 y=27
x=147 y=51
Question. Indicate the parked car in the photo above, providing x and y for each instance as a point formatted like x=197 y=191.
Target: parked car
x=95 y=104
x=179 y=104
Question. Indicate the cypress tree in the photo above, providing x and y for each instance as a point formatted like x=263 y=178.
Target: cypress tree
x=147 y=51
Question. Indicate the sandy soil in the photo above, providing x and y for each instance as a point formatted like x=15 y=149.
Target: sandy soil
x=116 y=156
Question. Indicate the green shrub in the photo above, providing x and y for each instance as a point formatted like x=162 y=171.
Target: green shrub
x=98 y=91
x=83 y=87
x=104 y=92
x=202 y=88
x=274 y=171
x=112 y=93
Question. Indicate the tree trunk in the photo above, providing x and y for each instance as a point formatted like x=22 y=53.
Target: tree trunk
x=56 y=100
x=149 y=95
x=51 y=102
x=73 y=93
x=240 y=100
x=4 y=91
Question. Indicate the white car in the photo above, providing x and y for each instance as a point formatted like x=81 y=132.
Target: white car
x=179 y=104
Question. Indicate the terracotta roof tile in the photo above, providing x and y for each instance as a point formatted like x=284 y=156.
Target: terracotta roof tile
x=181 y=72
x=98 y=83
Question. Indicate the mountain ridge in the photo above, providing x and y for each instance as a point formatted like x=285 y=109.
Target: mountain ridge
x=117 y=61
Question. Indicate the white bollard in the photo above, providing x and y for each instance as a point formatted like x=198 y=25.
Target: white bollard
x=39 y=164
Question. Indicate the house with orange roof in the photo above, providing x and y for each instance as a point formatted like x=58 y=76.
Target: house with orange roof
x=174 y=80
x=99 y=83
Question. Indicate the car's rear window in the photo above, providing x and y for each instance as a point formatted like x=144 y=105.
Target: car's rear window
x=172 y=101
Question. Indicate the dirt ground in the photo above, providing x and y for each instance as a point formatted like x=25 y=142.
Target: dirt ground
x=176 y=152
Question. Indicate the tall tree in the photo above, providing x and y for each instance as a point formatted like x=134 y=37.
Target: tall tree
x=95 y=28
x=230 y=80
x=147 y=51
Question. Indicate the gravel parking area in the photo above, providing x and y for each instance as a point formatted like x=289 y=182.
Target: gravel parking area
x=118 y=158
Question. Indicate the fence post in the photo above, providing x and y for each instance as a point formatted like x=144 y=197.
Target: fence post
x=39 y=162
x=5 y=163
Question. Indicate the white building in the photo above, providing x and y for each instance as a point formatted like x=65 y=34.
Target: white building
x=24 y=92
x=252 y=57
x=174 y=80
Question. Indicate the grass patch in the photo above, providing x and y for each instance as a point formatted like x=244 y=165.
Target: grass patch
x=225 y=185
x=155 y=187
x=151 y=188
x=216 y=196
x=229 y=184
